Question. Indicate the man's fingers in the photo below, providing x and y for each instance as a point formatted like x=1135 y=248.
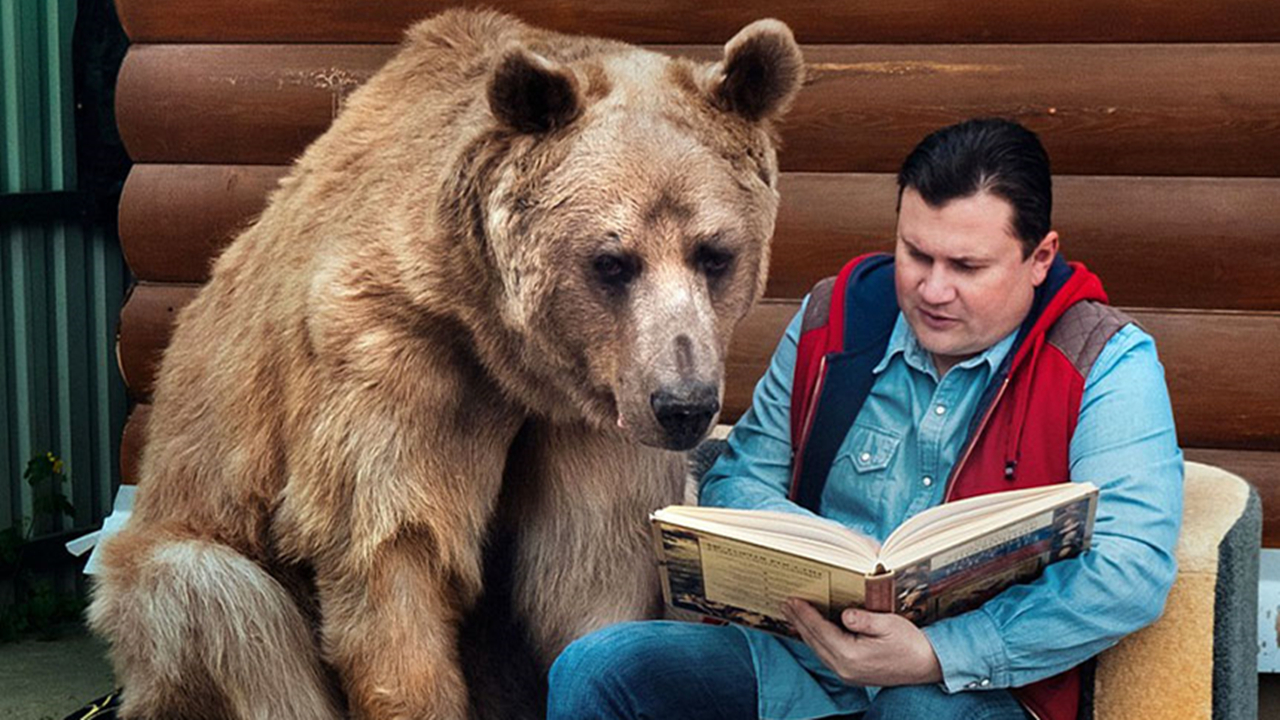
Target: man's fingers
x=808 y=635
x=820 y=630
x=882 y=648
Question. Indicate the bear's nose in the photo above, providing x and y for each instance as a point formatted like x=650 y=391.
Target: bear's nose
x=685 y=411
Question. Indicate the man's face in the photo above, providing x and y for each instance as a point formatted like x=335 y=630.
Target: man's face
x=960 y=276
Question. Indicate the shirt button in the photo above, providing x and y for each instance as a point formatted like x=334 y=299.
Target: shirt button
x=865 y=457
x=928 y=481
x=984 y=682
x=938 y=409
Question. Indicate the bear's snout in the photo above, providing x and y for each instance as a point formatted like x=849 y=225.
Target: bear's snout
x=685 y=412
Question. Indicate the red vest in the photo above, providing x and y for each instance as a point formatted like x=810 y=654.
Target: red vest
x=1021 y=432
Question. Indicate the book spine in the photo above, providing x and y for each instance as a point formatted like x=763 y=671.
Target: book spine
x=880 y=593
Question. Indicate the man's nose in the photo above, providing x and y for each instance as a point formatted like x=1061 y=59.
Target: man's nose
x=937 y=288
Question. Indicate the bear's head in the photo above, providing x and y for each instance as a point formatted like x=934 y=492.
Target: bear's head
x=627 y=204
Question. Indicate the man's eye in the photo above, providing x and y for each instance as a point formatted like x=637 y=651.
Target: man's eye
x=614 y=271
x=715 y=263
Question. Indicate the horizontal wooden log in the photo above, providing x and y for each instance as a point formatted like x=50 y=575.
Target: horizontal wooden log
x=174 y=220
x=1211 y=243
x=232 y=103
x=1220 y=398
x=146 y=322
x=1221 y=395
x=1221 y=375
x=1262 y=470
x=1187 y=110
x=672 y=21
x=1198 y=243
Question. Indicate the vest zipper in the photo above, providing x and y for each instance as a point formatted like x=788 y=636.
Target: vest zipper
x=973 y=441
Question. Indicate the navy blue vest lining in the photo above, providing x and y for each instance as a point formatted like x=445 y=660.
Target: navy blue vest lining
x=869 y=322
x=868 y=326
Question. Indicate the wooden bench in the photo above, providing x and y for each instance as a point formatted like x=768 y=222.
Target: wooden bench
x=1161 y=120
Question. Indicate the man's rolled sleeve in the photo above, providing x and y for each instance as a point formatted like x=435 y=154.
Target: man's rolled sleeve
x=970 y=651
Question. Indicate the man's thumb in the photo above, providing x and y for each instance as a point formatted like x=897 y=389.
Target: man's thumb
x=863 y=623
x=859 y=621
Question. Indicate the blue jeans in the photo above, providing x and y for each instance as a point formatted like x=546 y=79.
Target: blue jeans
x=681 y=671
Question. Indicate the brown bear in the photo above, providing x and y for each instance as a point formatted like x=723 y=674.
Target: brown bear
x=493 y=300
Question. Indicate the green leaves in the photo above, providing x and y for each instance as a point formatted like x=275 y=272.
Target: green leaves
x=43 y=467
x=36 y=606
x=48 y=468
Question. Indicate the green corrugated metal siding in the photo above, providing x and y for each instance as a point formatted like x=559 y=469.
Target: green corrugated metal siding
x=62 y=282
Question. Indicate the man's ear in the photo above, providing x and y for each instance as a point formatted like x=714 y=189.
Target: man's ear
x=532 y=94
x=762 y=71
x=1042 y=257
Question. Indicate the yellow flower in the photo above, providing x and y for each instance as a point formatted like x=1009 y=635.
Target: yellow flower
x=57 y=467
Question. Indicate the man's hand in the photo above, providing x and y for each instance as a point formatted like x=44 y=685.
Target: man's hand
x=879 y=649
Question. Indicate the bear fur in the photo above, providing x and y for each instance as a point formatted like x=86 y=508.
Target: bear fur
x=464 y=344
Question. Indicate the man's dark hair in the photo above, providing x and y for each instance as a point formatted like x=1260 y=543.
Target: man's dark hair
x=985 y=155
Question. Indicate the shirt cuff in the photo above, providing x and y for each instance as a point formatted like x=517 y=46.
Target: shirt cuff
x=970 y=651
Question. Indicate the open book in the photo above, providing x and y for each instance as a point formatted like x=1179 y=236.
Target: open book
x=739 y=565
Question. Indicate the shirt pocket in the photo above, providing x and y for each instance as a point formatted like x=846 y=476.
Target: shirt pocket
x=870 y=450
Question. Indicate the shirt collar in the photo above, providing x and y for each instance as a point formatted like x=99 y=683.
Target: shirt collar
x=903 y=341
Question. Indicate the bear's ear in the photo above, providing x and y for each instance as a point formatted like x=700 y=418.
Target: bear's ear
x=763 y=71
x=531 y=94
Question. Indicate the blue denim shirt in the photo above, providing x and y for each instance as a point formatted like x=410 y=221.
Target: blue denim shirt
x=894 y=463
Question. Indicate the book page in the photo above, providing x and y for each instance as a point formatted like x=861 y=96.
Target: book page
x=1028 y=530
x=949 y=525
x=976 y=530
x=961 y=512
x=814 y=538
x=948 y=514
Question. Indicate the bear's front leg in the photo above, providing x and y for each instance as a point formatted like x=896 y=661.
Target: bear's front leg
x=390 y=503
x=390 y=630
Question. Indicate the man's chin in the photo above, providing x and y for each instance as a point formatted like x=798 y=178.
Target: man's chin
x=935 y=341
x=945 y=351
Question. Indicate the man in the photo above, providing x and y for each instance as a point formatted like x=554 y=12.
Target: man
x=973 y=360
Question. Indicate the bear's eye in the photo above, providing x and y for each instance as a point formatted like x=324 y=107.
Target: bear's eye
x=714 y=262
x=615 y=271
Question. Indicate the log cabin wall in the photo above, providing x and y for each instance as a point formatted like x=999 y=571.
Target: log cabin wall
x=1162 y=121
